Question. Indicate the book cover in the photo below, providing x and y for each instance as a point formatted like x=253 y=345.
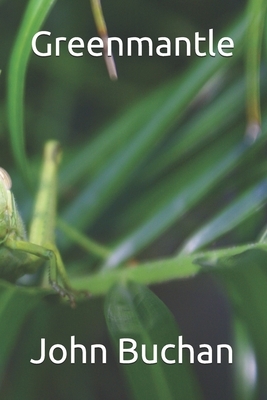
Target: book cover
x=133 y=200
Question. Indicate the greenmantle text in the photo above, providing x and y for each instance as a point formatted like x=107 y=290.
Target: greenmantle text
x=201 y=46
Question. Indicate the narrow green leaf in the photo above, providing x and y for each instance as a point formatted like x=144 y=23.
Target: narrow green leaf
x=229 y=218
x=22 y=382
x=245 y=368
x=154 y=196
x=116 y=172
x=83 y=241
x=36 y=12
x=203 y=126
x=55 y=323
x=212 y=169
x=92 y=156
x=15 y=304
x=256 y=15
x=134 y=312
x=245 y=278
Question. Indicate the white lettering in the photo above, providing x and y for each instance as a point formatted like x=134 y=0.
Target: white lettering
x=74 y=346
x=219 y=351
x=42 y=358
x=222 y=46
x=93 y=351
x=140 y=46
x=154 y=359
x=163 y=353
x=34 y=47
x=78 y=45
x=92 y=45
x=211 y=51
x=58 y=40
x=166 y=46
x=51 y=354
x=207 y=354
x=199 y=39
x=177 y=46
x=109 y=46
x=182 y=346
x=96 y=47
x=131 y=350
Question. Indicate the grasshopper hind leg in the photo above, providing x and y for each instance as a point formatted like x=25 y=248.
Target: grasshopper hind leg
x=65 y=290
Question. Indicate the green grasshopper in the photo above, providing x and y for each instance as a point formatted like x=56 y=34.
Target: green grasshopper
x=19 y=256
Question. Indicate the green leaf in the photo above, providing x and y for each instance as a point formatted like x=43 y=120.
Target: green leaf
x=227 y=219
x=15 y=304
x=119 y=167
x=214 y=118
x=245 y=278
x=133 y=311
x=187 y=189
x=34 y=16
x=256 y=15
x=245 y=368
x=55 y=323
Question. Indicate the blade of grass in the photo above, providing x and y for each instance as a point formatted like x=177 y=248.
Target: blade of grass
x=229 y=218
x=92 y=156
x=202 y=127
x=151 y=197
x=212 y=170
x=133 y=311
x=114 y=175
x=35 y=14
x=15 y=305
x=256 y=15
x=83 y=241
x=244 y=276
x=245 y=368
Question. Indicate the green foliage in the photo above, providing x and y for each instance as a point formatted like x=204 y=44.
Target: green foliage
x=159 y=176
x=22 y=302
x=134 y=312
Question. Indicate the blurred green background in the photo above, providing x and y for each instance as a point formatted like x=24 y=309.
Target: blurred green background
x=72 y=100
x=86 y=99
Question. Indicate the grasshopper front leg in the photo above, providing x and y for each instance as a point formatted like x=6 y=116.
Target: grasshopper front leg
x=50 y=255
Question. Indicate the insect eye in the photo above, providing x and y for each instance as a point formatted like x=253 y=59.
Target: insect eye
x=5 y=178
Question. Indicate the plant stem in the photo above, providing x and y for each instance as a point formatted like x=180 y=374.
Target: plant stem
x=83 y=241
x=158 y=271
